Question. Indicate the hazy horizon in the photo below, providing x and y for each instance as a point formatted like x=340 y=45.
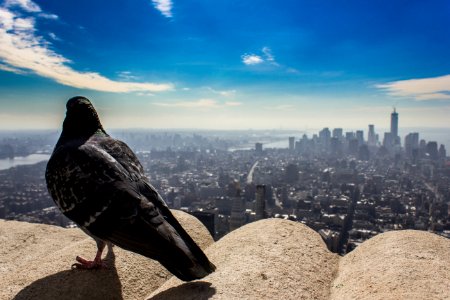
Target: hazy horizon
x=226 y=65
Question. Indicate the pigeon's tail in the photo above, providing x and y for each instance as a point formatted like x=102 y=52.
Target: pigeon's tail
x=198 y=270
x=169 y=244
x=190 y=262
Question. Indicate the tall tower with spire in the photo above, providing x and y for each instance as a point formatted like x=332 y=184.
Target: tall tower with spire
x=394 y=127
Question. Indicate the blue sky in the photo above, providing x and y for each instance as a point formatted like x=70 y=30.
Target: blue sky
x=226 y=64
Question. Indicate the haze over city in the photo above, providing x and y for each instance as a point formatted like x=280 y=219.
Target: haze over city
x=226 y=64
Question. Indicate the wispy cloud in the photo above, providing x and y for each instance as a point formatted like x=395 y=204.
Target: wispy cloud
x=22 y=49
x=266 y=58
x=54 y=36
x=424 y=89
x=48 y=16
x=283 y=107
x=145 y=94
x=269 y=56
x=233 y=103
x=126 y=75
x=201 y=104
x=225 y=93
x=164 y=6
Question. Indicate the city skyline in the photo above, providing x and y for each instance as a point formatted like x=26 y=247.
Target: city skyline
x=226 y=65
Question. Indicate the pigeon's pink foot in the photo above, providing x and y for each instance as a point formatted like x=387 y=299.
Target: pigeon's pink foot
x=88 y=264
x=97 y=263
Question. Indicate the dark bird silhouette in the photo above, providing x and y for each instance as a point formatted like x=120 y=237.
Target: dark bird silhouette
x=98 y=182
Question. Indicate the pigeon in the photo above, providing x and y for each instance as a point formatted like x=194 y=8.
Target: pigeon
x=98 y=182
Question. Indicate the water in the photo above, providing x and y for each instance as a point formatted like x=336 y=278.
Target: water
x=23 y=160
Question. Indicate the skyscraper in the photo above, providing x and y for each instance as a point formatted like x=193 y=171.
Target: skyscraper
x=237 y=217
x=411 y=143
x=360 y=137
x=258 y=148
x=394 y=127
x=337 y=133
x=291 y=143
x=372 y=139
x=260 y=202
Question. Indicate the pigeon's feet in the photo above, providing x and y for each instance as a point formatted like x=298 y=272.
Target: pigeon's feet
x=88 y=264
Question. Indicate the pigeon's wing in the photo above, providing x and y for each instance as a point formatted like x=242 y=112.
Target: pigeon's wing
x=105 y=192
x=182 y=257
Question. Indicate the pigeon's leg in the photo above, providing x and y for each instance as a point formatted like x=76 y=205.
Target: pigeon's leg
x=97 y=263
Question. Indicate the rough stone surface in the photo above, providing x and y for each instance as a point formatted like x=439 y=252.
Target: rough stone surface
x=396 y=265
x=268 y=259
x=35 y=263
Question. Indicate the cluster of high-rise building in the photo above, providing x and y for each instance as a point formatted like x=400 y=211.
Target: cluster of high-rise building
x=337 y=143
x=346 y=186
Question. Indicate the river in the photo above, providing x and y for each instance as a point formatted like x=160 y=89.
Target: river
x=32 y=159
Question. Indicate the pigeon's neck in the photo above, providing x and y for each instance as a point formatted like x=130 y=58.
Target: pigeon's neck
x=80 y=131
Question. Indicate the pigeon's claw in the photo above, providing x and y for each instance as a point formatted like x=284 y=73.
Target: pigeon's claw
x=88 y=264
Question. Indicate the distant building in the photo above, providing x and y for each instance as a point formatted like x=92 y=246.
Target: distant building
x=337 y=133
x=291 y=143
x=442 y=152
x=325 y=137
x=353 y=147
x=360 y=137
x=260 y=202
x=292 y=173
x=207 y=219
x=371 y=138
x=363 y=153
x=432 y=150
x=237 y=218
x=411 y=144
x=350 y=135
x=388 y=140
x=335 y=147
x=258 y=148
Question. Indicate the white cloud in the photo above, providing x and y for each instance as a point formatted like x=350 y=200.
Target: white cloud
x=21 y=49
x=434 y=88
x=266 y=57
x=26 y=5
x=164 y=6
x=433 y=96
x=48 y=16
x=11 y=69
x=251 y=59
x=23 y=24
x=202 y=103
x=198 y=104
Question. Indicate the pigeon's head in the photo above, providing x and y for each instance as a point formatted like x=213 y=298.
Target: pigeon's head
x=81 y=118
